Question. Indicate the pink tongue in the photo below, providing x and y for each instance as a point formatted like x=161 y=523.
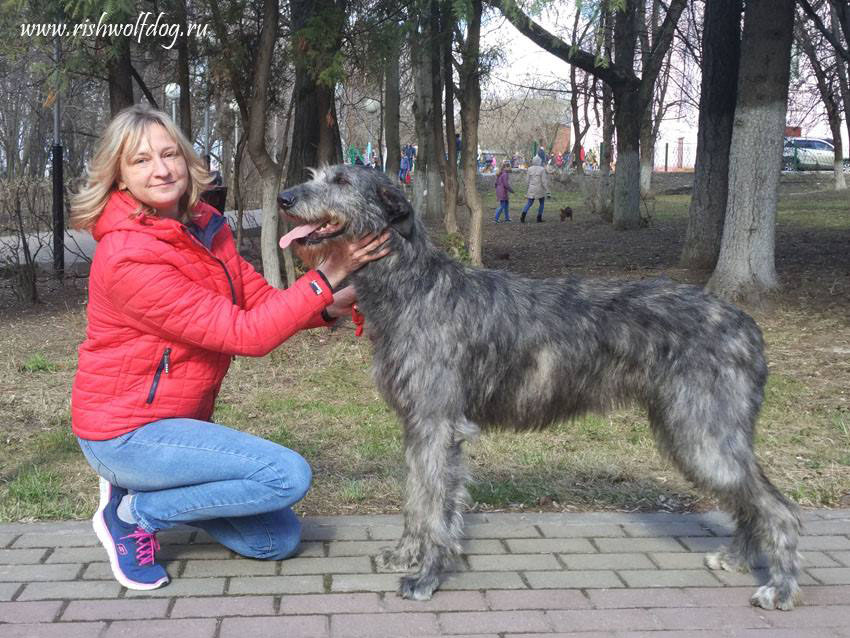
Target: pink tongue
x=297 y=233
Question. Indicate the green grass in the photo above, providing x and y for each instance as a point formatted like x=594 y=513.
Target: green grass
x=38 y=363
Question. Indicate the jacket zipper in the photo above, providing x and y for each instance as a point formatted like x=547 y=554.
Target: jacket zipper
x=221 y=263
x=164 y=366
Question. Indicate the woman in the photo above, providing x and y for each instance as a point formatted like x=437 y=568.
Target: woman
x=170 y=304
x=503 y=187
x=538 y=188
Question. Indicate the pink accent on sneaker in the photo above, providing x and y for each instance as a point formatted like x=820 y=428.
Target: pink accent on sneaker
x=146 y=546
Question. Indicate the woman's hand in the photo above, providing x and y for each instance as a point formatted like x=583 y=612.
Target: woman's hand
x=352 y=256
x=343 y=300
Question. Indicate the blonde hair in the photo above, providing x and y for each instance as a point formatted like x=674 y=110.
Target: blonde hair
x=122 y=137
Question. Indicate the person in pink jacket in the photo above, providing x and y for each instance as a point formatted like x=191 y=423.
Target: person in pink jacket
x=503 y=187
x=171 y=302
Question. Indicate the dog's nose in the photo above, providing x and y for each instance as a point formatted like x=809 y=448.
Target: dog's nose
x=286 y=199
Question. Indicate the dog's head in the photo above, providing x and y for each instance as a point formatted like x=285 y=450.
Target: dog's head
x=339 y=204
x=566 y=212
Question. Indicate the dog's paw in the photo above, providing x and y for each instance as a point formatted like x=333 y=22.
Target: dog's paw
x=418 y=587
x=772 y=597
x=394 y=560
x=725 y=561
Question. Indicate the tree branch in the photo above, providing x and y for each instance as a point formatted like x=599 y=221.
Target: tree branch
x=809 y=10
x=613 y=74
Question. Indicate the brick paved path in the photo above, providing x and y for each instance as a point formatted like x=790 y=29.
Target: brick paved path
x=585 y=575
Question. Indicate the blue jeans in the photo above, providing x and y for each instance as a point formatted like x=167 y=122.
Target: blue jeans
x=539 y=208
x=237 y=487
x=503 y=207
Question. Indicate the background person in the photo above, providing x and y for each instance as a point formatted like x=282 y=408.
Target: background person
x=170 y=304
x=538 y=188
x=503 y=187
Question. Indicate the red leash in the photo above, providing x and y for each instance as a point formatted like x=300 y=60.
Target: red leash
x=358 y=319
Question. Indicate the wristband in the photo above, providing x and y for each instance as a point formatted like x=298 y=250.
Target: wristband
x=325 y=279
x=327 y=318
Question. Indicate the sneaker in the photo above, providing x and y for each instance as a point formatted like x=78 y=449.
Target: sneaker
x=540 y=220
x=131 y=549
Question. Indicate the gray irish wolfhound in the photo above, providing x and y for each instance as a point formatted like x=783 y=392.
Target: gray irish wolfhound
x=458 y=348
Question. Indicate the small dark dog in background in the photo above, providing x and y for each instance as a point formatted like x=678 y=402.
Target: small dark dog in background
x=566 y=212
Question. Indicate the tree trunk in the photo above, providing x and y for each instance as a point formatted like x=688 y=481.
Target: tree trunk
x=627 y=175
x=470 y=107
x=721 y=54
x=450 y=182
x=423 y=104
x=120 y=77
x=746 y=268
x=392 y=102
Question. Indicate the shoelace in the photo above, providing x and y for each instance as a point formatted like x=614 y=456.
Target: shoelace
x=146 y=546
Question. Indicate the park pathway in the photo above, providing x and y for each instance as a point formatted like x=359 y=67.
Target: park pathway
x=588 y=575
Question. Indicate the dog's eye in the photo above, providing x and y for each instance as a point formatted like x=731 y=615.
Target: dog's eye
x=341 y=180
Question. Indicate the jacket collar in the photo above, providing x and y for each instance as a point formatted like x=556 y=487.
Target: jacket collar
x=120 y=214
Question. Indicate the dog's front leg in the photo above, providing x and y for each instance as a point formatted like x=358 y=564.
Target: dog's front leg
x=431 y=536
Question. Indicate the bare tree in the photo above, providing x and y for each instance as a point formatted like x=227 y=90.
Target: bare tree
x=746 y=267
x=721 y=53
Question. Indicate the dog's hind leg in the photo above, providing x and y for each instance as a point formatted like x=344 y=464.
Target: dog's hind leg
x=711 y=443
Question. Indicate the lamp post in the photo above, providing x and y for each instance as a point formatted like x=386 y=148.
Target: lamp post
x=371 y=106
x=172 y=92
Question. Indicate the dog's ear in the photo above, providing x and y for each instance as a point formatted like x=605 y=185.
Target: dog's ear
x=398 y=209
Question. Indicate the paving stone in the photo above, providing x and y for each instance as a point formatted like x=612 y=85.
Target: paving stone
x=21 y=556
x=607 y=561
x=841 y=557
x=703 y=544
x=627 y=598
x=386 y=532
x=720 y=596
x=484 y=580
x=602 y=619
x=824 y=543
x=78 y=555
x=492 y=530
x=196 y=628
x=582 y=634
x=678 y=560
x=513 y=562
x=387 y=625
x=295 y=626
x=231 y=567
x=714 y=619
x=55 y=630
x=98 y=571
x=838 y=513
x=668 y=578
x=357 y=548
x=331 y=604
x=442 y=601
x=826 y=528
x=533 y=599
x=632 y=545
x=29 y=612
x=365 y=582
x=57 y=539
x=321 y=533
x=183 y=535
x=193 y=552
x=183 y=587
x=582 y=531
x=38 y=572
x=7 y=590
x=73 y=590
x=115 y=609
x=276 y=585
x=6 y=539
x=573 y=579
x=827 y=595
x=335 y=565
x=550 y=546
x=756 y=576
x=312 y=549
x=808 y=617
x=831 y=576
x=220 y=606
x=493 y=621
x=483 y=546
x=671 y=528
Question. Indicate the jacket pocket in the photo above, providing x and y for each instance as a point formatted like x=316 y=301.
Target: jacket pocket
x=164 y=366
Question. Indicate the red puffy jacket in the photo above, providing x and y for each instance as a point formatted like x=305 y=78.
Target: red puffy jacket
x=165 y=316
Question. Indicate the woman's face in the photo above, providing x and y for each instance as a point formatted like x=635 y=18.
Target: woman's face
x=155 y=173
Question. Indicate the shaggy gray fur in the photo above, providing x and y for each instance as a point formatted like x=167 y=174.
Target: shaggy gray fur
x=457 y=349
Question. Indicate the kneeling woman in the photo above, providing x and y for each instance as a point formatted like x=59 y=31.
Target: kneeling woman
x=170 y=303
